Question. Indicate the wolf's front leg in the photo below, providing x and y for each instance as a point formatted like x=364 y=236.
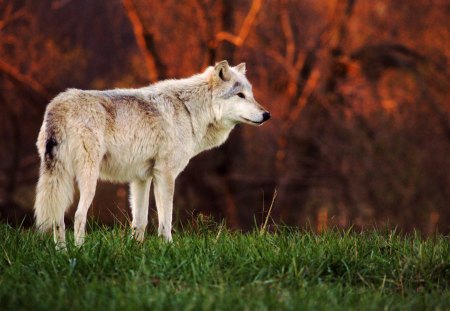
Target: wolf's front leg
x=164 y=190
x=140 y=192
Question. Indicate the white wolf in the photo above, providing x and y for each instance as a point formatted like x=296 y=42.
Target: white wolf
x=135 y=136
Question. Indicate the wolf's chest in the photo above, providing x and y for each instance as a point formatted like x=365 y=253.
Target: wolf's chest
x=214 y=137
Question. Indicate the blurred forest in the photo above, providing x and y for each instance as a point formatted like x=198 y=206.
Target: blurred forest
x=358 y=92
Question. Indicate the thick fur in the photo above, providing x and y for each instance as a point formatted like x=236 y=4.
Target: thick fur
x=135 y=136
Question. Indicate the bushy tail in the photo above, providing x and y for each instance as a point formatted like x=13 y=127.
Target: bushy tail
x=54 y=192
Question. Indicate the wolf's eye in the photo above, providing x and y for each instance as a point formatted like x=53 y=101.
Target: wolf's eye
x=241 y=95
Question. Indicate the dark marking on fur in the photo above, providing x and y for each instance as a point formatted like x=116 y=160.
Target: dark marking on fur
x=106 y=158
x=236 y=88
x=151 y=165
x=50 y=143
x=49 y=155
x=178 y=97
x=188 y=112
x=145 y=104
x=109 y=108
x=51 y=133
x=189 y=115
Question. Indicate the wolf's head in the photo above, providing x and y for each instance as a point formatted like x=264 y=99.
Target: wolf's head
x=232 y=96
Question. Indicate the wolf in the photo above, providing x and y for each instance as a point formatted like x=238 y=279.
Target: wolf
x=135 y=136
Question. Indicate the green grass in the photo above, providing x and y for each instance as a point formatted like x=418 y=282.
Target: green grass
x=214 y=269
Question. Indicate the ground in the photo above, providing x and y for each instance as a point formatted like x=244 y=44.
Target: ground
x=211 y=268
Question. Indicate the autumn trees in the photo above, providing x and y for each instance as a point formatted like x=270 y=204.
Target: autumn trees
x=358 y=91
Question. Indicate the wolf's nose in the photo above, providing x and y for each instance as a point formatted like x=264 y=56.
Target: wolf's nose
x=266 y=116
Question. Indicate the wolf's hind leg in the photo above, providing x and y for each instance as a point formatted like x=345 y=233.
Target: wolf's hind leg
x=164 y=190
x=87 y=182
x=139 y=198
x=59 y=233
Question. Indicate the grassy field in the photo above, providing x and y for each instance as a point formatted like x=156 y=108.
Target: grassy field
x=213 y=269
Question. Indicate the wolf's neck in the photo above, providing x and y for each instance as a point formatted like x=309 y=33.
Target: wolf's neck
x=215 y=134
x=207 y=131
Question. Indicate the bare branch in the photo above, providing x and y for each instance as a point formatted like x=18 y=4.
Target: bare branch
x=207 y=31
x=24 y=79
x=288 y=61
x=301 y=102
x=288 y=34
x=10 y=16
x=58 y=4
x=138 y=29
x=330 y=36
x=246 y=26
x=294 y=114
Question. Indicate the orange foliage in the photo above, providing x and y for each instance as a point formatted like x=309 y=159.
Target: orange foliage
x=358 y=91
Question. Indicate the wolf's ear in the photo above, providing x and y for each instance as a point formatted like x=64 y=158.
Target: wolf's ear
x=222 y=70
x=241 y=68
